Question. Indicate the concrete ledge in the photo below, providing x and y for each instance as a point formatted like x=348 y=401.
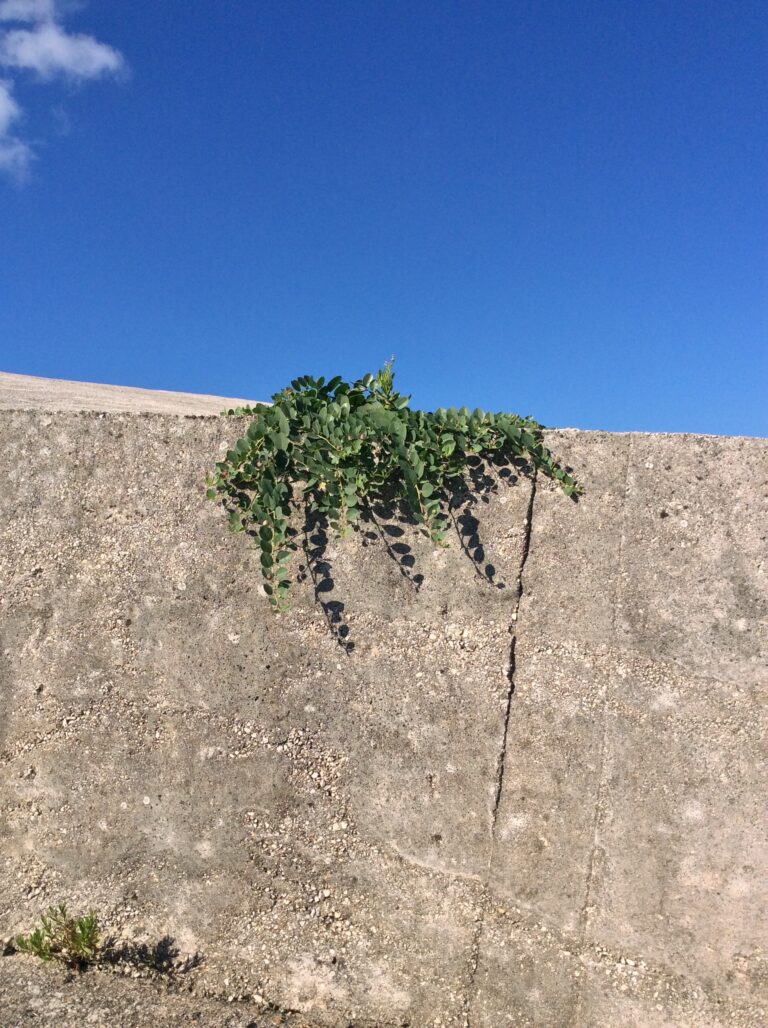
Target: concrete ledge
x=27 y=392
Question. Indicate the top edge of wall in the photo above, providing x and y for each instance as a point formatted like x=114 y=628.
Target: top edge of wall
x=53 y=395
x=56 y=395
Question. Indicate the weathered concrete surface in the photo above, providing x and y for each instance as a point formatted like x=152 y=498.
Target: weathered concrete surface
x=382 y=833
x=120 y=997
x=631 y=837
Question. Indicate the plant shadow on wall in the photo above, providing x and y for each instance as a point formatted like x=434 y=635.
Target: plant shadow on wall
x=330 y=457
x=78 y=943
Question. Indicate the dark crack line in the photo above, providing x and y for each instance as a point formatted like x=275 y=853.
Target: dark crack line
x=502 y=758
x=501 y=761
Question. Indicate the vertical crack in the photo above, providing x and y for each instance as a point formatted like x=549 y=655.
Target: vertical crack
x=501 y=760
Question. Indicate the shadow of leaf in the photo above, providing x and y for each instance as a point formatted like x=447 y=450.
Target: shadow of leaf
x=320 y=571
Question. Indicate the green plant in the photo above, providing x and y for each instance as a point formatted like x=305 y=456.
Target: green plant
x=335 y=447
x=73 y=940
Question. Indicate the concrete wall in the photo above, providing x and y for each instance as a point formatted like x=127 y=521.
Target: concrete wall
x=534 y=800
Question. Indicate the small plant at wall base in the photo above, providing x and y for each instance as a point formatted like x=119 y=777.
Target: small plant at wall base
x=335 y=447
x=73 y=940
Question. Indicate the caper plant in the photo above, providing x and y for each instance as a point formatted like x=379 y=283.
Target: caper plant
x=335 y=447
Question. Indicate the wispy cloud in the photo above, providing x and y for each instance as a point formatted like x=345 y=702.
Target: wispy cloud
x=15 y=154
x=27 y=10
x=33 y=39
x=50 y=51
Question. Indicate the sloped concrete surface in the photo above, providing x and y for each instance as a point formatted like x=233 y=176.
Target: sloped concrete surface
x=513 y=782
x=28 y=392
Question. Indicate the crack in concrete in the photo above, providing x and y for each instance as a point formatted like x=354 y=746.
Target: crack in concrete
x=502 y=758
x=474 y=956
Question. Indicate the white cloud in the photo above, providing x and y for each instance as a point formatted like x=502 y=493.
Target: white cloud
x=15 y=155
x=47 y=50
x=9 y=109
x=27 y=10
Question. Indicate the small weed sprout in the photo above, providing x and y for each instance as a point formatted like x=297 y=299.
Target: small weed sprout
x=73 y=940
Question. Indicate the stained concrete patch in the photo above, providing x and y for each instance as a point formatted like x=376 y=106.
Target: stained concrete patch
x=345 y=810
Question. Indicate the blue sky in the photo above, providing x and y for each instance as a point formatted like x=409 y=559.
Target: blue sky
x=554 y=208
